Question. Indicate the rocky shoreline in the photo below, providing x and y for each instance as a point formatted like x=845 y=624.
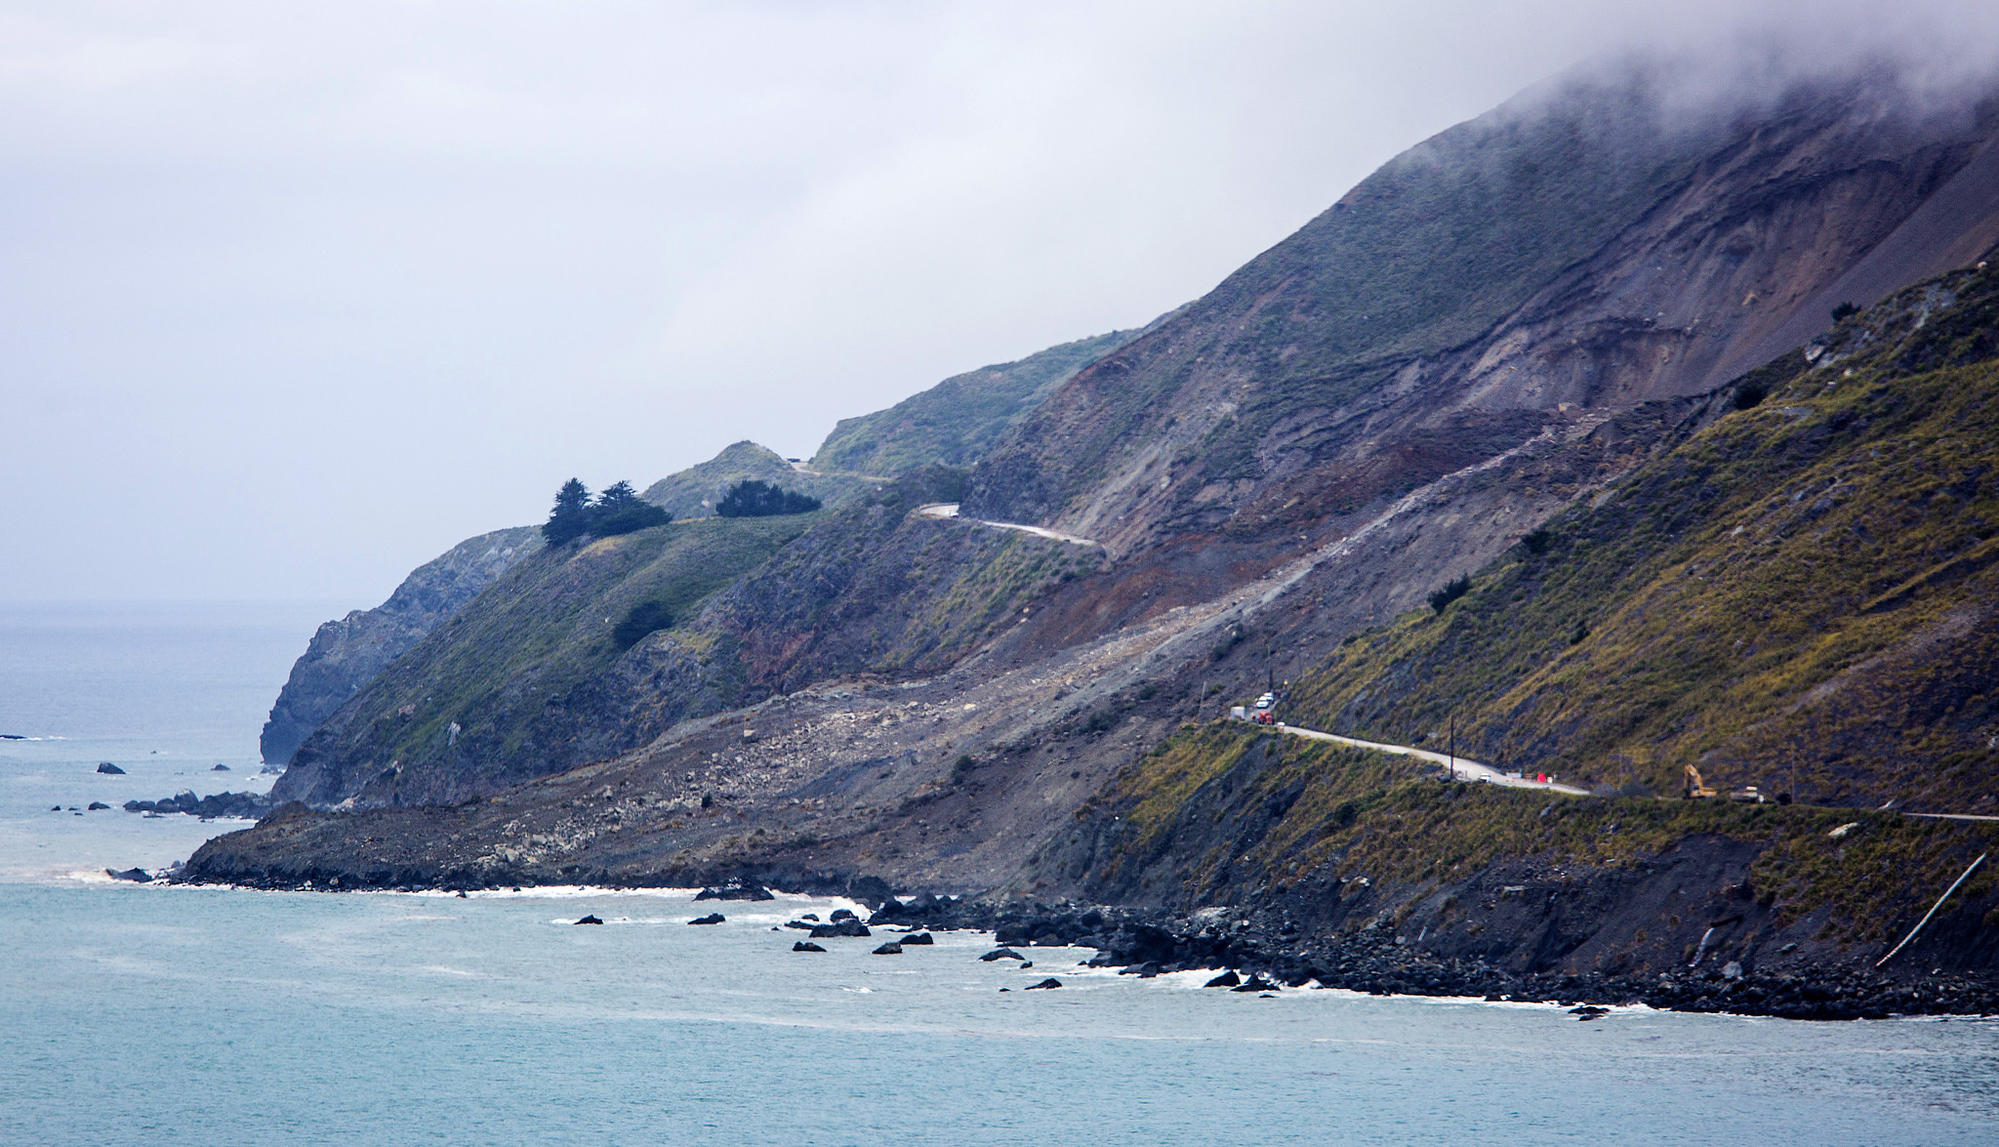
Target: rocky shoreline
x=1271 y=952
x=1149 y=942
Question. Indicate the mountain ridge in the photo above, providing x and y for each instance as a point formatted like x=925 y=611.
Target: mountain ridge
x=1281 y=474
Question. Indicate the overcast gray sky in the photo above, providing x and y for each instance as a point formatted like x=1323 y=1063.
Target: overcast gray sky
x=293 y=297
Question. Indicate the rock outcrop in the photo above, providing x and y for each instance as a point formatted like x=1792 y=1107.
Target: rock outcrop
x=346 y=654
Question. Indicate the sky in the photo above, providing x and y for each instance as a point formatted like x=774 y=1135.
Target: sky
x=294 y=297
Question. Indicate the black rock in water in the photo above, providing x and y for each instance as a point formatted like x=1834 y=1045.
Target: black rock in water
x=812 y=916
x=889 y=949
x=135 y=875
x=1588 y=1012
x=1000 y=954
x=710 y=918
x=590 y=920
x=848 y=927
x=110 y=769
x=736 y=890
x=801 y=925
x=1255 y=984
x=219 y=769
x=1225 y=980
x=806 y=946
x=96 y=805
x=246 y=805
x=1050 y=982
x=918 y=938
x=840 y=914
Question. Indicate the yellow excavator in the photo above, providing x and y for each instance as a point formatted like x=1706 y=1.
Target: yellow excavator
x=1696 y=787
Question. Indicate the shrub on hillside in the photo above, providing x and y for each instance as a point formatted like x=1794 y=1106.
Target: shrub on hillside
x=645 y=618
x=1452 y=591
x=751 y=498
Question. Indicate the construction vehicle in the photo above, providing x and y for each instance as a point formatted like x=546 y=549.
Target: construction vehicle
x=1747 y=795
x=1696 y=788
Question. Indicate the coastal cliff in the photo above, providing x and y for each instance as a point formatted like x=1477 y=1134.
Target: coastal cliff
x=1459 y=458
x=346 y=654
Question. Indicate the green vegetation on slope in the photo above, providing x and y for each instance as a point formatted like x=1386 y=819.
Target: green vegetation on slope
x=1803 y=588
x=1219 y=809
x=518 y=671
x=952 y=423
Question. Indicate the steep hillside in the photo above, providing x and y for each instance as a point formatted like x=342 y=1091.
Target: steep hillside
x=346 y=654
x=1575 y=247
x=1704 y=904
x=508 y=686
x=1801 y=596
x=1508 y=354
x=956 y=421
x=534 y=678
x=693 y=492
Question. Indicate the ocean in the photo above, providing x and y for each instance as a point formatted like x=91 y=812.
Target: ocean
x=168 y=1015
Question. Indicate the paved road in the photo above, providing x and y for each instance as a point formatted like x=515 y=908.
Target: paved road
x=1475 y=770
x=950 y=510
x=1468 y=769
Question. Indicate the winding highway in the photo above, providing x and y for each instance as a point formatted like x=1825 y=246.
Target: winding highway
x=1460 y=766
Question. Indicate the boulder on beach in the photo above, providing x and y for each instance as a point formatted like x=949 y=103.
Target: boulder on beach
x=110 y=769
x=1225 y=980
x=135 y=875
x=1050 y=982
x=891 y=948
x=711 y=918
x=806 y=946
x=592 y=919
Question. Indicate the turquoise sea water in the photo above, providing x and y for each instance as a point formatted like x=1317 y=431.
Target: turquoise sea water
x=160 y=1015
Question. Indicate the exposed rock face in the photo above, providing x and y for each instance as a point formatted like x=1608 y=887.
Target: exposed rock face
x=345 y=655
x=1584 y=252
